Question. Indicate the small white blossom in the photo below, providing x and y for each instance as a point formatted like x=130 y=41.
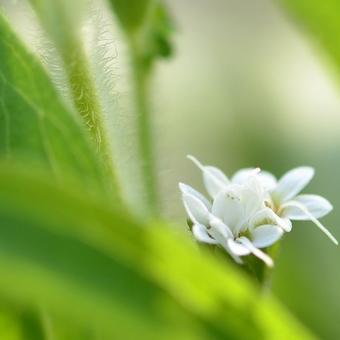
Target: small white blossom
x=215 y=181
x=284 y=201
x=288 y=204
x=251 y=210
x=232 y=220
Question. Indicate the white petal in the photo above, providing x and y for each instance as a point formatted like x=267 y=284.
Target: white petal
x=257 y=252
x=201 y=234
x=232 y=254
x=292 y=183
x=253 y=195
x=241 y=175
x=219 y=230
x=285 y=224
x=267 y=216
x=300 y=206
x=266 y=235
x=214 y=179
x=237 y=248
x=228 y=207
x=221 y=233
x=197 y=211
x=187 y=189
x=316 y=205
x=268 y=180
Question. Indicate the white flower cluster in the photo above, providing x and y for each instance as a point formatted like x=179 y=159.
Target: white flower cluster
x=251 y=210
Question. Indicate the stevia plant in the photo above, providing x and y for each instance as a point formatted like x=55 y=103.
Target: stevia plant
x=84 y=251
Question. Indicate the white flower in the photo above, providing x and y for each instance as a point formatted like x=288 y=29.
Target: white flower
x=252 y=209
x=288 y=204
x=230 y=221
x=284 y=200
x=215 y=181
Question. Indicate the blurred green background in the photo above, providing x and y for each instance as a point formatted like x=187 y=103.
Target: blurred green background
x=247 y=88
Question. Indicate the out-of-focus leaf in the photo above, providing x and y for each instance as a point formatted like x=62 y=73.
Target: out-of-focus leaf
x=320 y=19
x=35 y=126
x=10 y=328
x=18 y=323
x=52 y=264
x=67 y=252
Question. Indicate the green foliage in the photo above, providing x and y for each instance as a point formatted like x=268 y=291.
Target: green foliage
x=319 y=19
x=36 y=128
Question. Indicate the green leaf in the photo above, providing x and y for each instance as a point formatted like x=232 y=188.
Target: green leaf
x=35 y=126
x=320 y=19
x=67 y=252
x=17 y=323
x=10 y=327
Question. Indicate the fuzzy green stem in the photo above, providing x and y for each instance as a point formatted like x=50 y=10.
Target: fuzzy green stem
x=87 y=104
x=141 y=72
x=65 y=31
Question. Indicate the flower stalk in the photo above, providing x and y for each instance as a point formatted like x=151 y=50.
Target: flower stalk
x=141 y=69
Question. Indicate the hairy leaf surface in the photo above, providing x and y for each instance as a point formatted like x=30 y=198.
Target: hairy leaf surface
x=35 y=126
